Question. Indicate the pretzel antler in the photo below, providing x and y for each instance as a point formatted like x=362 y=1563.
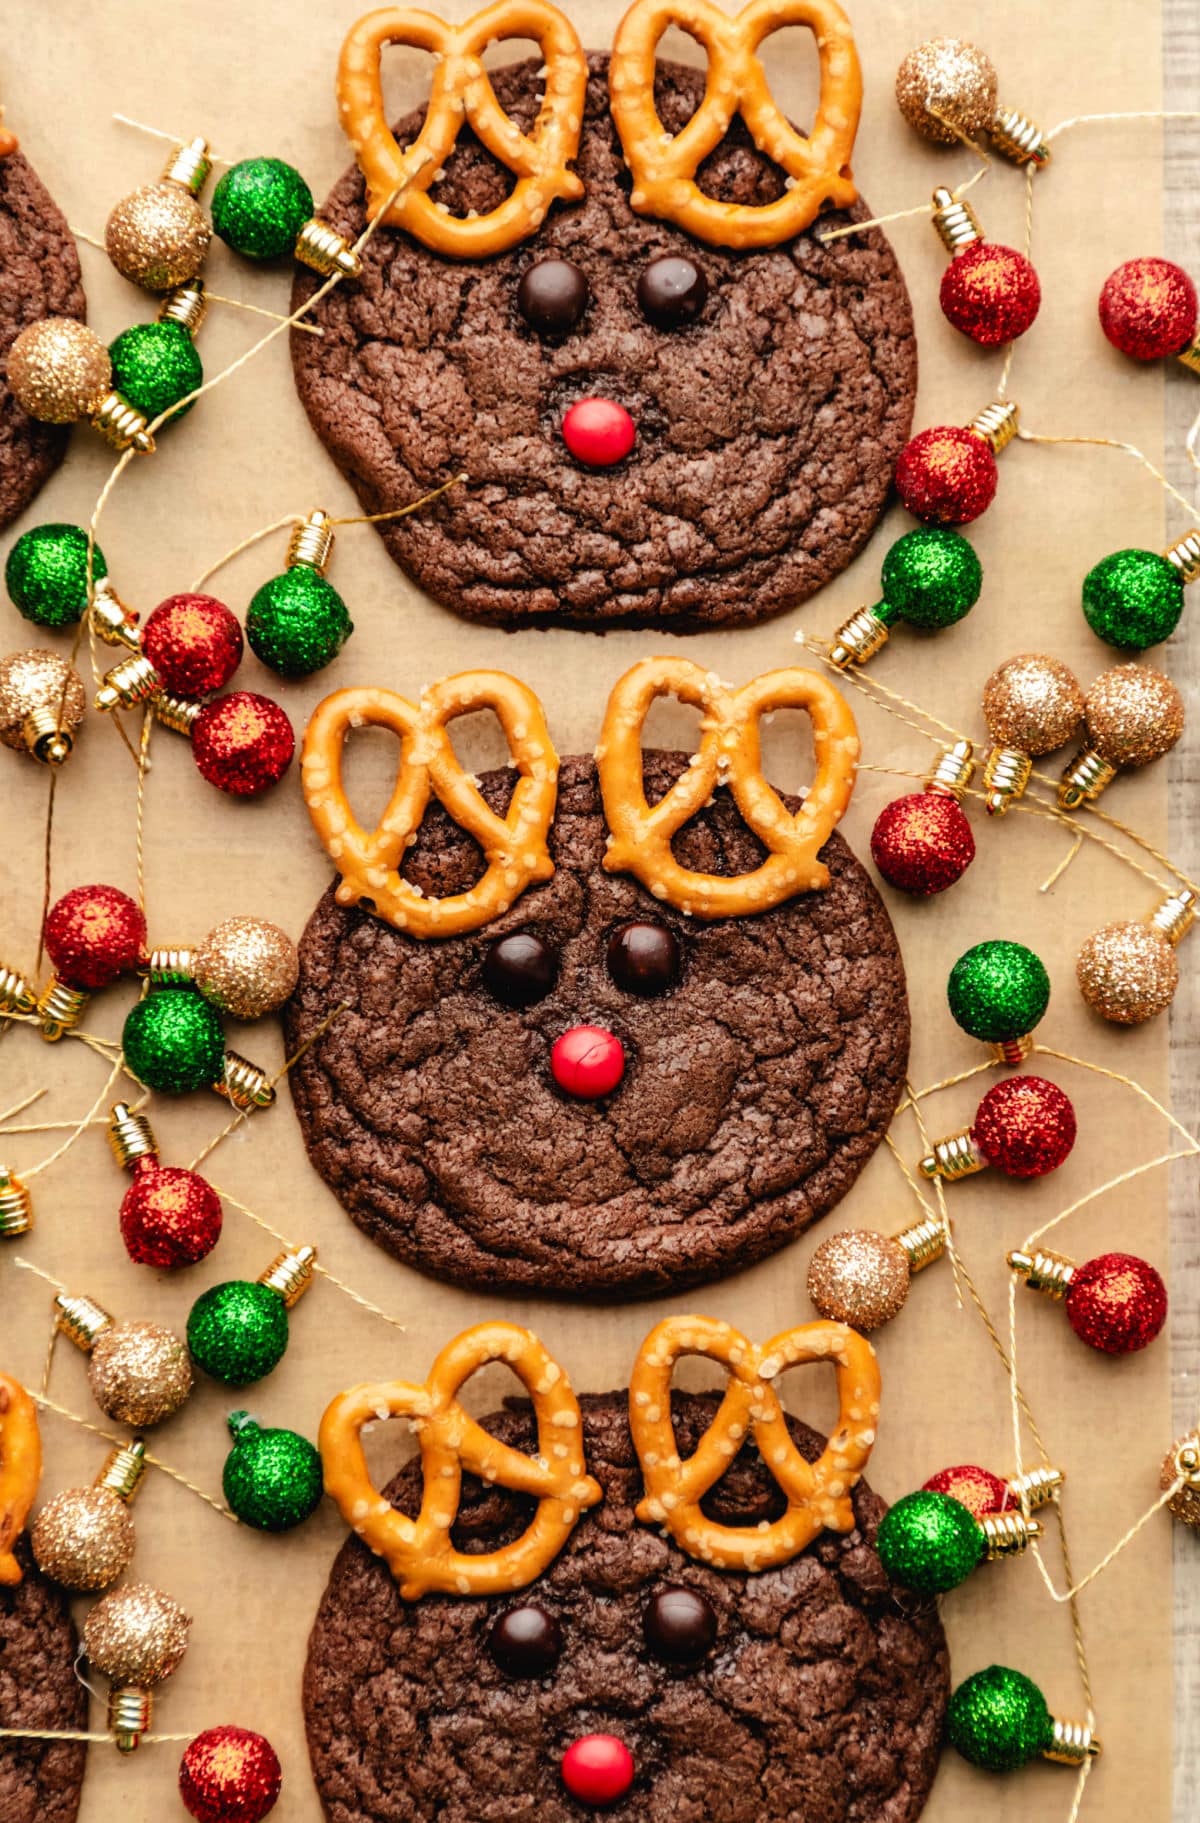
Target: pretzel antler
x=462 y=92
x=640 y=839
x=418 y=1551
x=20 y=1470
x=514 y=845
x=664 y=168
x=817 y=1493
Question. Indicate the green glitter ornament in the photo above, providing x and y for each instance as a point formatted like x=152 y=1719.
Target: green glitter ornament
x=154 y=366
x=238 y=1331
x=272 y=1478
x=173 y=1042
x=260 y=206
x=931 y=578
x=929 y=1542
x=1133 y=599
x=46 y=574
x=999 y=991
x=297 y=623
x=998 y=1719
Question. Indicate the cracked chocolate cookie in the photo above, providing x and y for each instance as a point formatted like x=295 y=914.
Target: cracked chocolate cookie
x=40 y=1781
x=39 y=277
x=762 y=1061
x=770 y=392
x=804 y=1691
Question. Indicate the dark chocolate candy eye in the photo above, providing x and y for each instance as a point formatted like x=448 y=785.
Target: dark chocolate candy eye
x=680 y=1626
x=643 y=958
x=672 y=291
x=520 y=969
x=552 y=296
x=526 y=1641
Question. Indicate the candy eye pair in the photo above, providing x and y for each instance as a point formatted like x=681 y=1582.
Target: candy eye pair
x=680 y=1628
x=553 y=294
x=521 y=969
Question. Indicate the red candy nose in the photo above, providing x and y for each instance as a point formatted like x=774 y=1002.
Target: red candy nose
x=598 y=432
x=597 y=1768
x=587 y=1062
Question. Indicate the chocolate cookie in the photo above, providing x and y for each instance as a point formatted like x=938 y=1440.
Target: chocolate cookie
x=761 y=1072
x=822 y=1697
x=39 y=277
x=768 y=424
x=40 y=1781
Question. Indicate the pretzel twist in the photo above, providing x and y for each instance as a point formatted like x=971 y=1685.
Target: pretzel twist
x=20 y=1471
x=817 y=1493
x=418 y=1551
x=514 y=845
x=462 y=91
x=664 y=167
x=729 y=753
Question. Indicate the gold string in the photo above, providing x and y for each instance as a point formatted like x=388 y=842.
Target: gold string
x=80 y=1734
x=402 y=512
x=1082 y=120
x=214 y=297
x=900 y=215
x=1129 y=449
x=254 y=538
x=290 y=1063
x=355 y=1296
x=174 y=139
x=24 y=1265
x=63 y=1411
x=20 y=1106
x=80 y=1126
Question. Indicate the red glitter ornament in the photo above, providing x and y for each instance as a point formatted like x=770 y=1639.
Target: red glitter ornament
x=1148 y=309
x=974 y=1488
x=922 y=843
x=1116 y=1303
x=991 y=293
x=243 y=743
x=194 y=643
x=1025 y=1126
x=94 y=934
x=598 y=432
x=597 y=1769
x=587 y=1062
x=229 y=1775
x=169 y=1217
x=946 y=475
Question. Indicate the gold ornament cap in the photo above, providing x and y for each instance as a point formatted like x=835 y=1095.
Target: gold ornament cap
x=60 y=1007
x=16 y=1206
x=954 y=1157
x=1050 y=1273
x=953 y=772
x=113 y=619
x=244 y=1085
x=130 y=1136
x=1182 y=1463
x=290 y=1274
x=858 y=639
x=1019 y=138
x=16 y=995
x=956 y=222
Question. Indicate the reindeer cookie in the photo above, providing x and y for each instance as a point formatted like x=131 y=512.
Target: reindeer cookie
x=500 y=949
x=750 y=1660
x=637 y=235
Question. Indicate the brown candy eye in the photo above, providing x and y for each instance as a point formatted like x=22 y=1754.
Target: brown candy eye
x=526 y=1642
x=552 y=296
x=643 y=958
x=520 y=970
x=680 y=1626
x=672 y=291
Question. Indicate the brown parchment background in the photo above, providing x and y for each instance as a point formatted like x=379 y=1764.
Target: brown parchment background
x=256 y=76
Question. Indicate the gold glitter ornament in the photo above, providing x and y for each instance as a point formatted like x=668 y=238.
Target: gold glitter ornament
x=862 y=1277
x=59 y=371
x=139 y=1373
x=158 y=236
x=1133 y=715
x=1183 y=1459
x=84 y=1538
x=245 y=966
x=947 y=88
x=1127 y=971
x=136 y=1636
x=42 y=703
x=1031 y=704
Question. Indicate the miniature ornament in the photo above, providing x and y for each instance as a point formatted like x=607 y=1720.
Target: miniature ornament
x=158 y=235
x=230 y=1775
x=47 y=574
x=947 y=88
x=16 y=1206
x=42 y=703
x=242 y=743
x=930 y=578
x=84 y=1538
x=947 y=475
x=998 y=1720
x=989 y=292
x=1128 y=971
x=981 y=1492
x=1031 y=704
x=59 y=371
x=998 y=991
x=263 y=209
x=190 y=646
x=922 y=842
x=155 y=365
x=173 y=1042
x=1115 y=1303
x=1024 y=1127
x=238 y=1331
x=169 y=1216
x=1132 y=715
x=136 y=1636
x=1149 y=310
x=930 y=1542
x=272 y=1478
x=93 y=935
x=297 y=623
x=597 y=1769
x=1134 y=598
x=245 y=966
x=861 y=1277
x=598 y=432
x=16 y=995
x=139 y=1373
x=1182 y=1464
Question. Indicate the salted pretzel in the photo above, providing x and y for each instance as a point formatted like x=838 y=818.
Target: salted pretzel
x=817 y=1493
x=418 y=1551
x=664 y=167
x=461 y=92
x=20 y=1471
x=514 y=845
x=729 y=753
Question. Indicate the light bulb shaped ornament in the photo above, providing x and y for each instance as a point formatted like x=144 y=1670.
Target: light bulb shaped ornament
x=155 y=365
x=170 y=1216
x=922 y=842
x=1116 y=1303
x=84 y=1538
x=139 y=1373
x=42 y=703
x=263 y=209
x=989 y=292
x=1032 y=704
x=1128 y=971
x=931 y=578
x=1134 y=598
x=158 y=236
x=136 y=1636
x=238 y=1332
x=930 y=1542
x=982 y=1492
x=246 y=967
x=173 y=1042
x=1023 y=1127
x=947 y=475
x=998 y=991
x=947 y=90
x=189 y=647
x=59 y=371
x=93 y=935
x=1149 y=311
x=999 y=1720
x=862 y=1277
x=1133 y=715
x=297 y=622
